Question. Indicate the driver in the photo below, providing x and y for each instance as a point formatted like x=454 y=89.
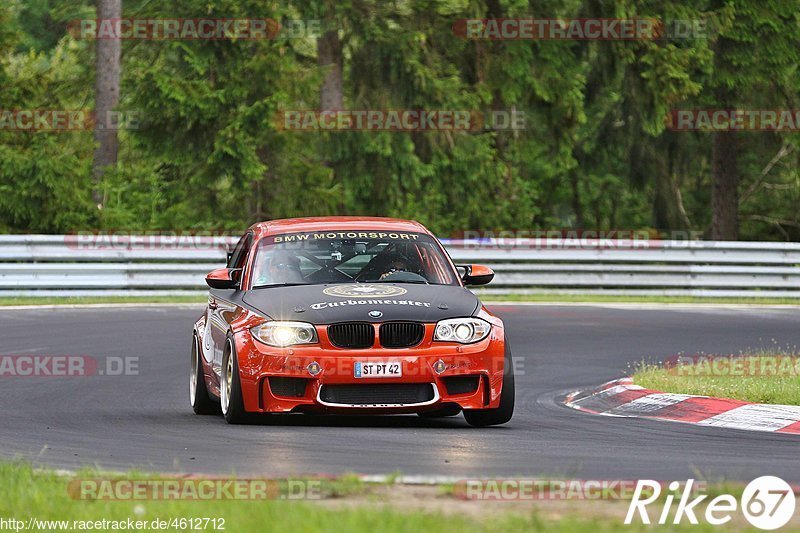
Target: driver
x=281 y=267
x=395 y=265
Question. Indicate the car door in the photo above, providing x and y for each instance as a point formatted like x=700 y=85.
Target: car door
x=221 y=309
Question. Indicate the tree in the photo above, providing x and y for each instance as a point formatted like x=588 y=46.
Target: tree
x=107 y=75
x=330 y=59
x=760 y=41
x=594 y=152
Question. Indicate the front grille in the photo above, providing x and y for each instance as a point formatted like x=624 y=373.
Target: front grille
x=401 y=334
x=461 y=384
x=352 y=335
x=289 y=387
x=379 y=393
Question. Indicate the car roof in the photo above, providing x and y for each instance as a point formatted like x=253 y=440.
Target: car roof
x=337 y=223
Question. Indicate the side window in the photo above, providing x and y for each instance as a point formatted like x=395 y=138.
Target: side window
x=239 y=254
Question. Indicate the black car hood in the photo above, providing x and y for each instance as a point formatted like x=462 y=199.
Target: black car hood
x=326 y=304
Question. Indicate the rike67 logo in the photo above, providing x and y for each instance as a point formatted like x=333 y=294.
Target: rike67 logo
x=767 y=503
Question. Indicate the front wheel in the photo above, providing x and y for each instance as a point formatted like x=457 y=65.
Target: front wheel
x=501 y=415
x=230 y=388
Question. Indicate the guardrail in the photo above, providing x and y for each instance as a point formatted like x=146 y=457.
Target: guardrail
x=58 y=265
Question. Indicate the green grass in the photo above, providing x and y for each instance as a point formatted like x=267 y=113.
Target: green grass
x=43 y=495
x=761 y=378
x=511 y=298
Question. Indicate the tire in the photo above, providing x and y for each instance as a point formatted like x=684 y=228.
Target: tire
x=201 y=402
x=501 y=415
x=450 y=410
x=230 y=388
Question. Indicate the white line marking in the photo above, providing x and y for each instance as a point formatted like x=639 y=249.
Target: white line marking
x=647 y=305
x=612 y=391
x=648 y=404
x=411 y=479
x=187 y=305
x=758 y=417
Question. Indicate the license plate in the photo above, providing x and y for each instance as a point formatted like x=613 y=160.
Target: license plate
x=388 y=369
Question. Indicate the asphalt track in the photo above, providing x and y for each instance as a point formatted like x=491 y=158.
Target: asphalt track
x=145 y=421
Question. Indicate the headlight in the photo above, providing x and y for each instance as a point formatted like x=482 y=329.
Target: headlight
x=463 y=330
x=283 y=334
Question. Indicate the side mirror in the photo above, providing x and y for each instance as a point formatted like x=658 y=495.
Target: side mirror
x=224 y=278
x=476 y=274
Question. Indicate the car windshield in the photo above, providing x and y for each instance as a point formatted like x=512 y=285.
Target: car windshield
x=350 y=257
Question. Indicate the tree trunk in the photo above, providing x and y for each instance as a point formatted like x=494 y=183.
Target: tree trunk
x=329 y=57
x=725 y=187
x=724 y=153
x=668 y=209
x=331 y=94
x=107 y=71
x=577 y=205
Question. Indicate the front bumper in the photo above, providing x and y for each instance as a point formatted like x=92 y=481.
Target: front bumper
x=434 y=375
